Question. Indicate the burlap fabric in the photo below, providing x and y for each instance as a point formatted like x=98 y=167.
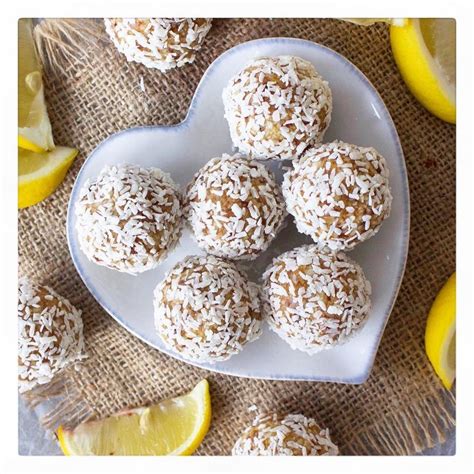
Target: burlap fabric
x=402 y=408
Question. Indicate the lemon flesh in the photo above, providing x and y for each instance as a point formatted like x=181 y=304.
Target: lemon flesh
x=425 y=53
x=172 y=427
x=34 y=127
x=39 y=174
x=440 y=335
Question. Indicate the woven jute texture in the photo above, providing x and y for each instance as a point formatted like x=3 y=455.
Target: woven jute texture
x=402 y=408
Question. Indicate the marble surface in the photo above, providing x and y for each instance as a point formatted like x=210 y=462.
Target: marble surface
x=33 y=440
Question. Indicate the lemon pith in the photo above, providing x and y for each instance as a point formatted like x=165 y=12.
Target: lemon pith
x=172 y=427
x=429 y=77
x=440 y=334
x=26 y=144
x=34 y=126
x=39 y=174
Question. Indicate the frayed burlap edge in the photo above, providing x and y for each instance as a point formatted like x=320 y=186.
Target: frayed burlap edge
x=63 y=42
x=423 y=425
x=70 y=408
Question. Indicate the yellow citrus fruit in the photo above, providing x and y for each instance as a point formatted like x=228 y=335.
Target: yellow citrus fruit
x=172 y=427
x=39 y=174
x=34 y=127
x=425 y=52
x=440 y=335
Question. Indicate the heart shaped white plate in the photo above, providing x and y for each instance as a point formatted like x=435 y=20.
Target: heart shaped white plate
x=359 y=117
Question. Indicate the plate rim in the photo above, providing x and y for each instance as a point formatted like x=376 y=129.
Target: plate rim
x=191 y=112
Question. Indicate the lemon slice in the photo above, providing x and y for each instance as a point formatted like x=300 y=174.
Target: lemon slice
x=34 y=127
x=440 y=335
x=39 y=174
x=172 y=427
x=425 y=52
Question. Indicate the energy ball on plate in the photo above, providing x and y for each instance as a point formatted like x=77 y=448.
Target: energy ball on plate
x=49 y=334
x=206 y=310
x=276 y=107
x=128 y=218
x=160 y=43
x=315 y=299
x=339 y=194
x=234 y=207
x=290 y=435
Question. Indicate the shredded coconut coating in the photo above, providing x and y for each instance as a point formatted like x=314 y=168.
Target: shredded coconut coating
x=206 y=310
x=129 y=218
x=339 y=194
x=276 y=107
x=159 y=43
x=49 y=334
x=290 y=435
x=315 y=299
x=234 y=207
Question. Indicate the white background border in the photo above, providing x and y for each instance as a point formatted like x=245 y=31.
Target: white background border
x=12 y=10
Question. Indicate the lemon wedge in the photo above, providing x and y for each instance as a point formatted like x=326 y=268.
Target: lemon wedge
x=34 y=127
x=425 y=52
x=172 y=427
x=39 y=174
x=440 y=335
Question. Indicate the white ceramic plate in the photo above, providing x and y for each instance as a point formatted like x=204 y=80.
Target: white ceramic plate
x=359 y=117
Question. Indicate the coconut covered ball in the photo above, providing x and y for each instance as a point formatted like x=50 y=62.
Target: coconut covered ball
x=276 y=107
x=290 y=435
x=160 y=43
x=206 y=310
x=234 y=207
x=339 y=194
x=49 y=334
x=128 y=218
x=315 y=299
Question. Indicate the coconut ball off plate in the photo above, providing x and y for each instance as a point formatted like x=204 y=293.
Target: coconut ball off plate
x=206 y=310
x=315 y=299
x=128 y=218
x=290 y=435
x=339 y=194
x=49 y=334
x=160 y=43
x=234 y=207
x=276 y=107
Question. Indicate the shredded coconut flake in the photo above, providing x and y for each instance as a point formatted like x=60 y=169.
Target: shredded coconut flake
x=206 y=310
x=141 y=84
x=315 y=299
x=276 y=107
x=339 y=194
x=49 y=334
x=160 y=43
x=128 y=218
x=290 y=435
x=234 y=207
